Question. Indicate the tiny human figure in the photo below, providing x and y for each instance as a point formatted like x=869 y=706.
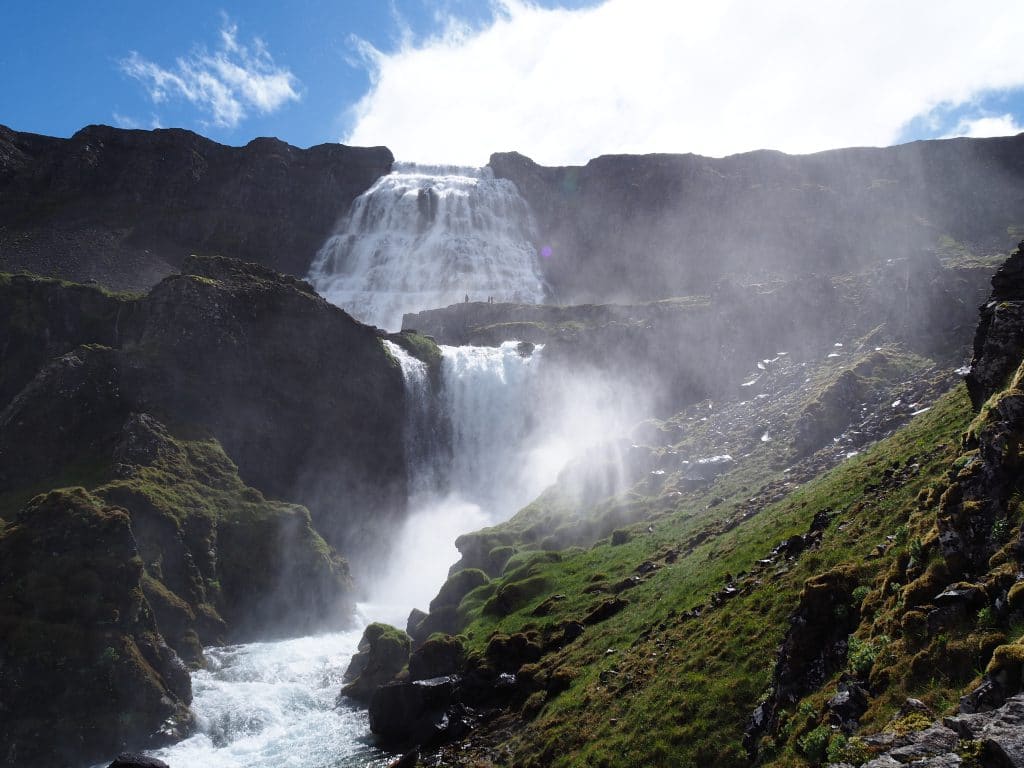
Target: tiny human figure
x=467 y=299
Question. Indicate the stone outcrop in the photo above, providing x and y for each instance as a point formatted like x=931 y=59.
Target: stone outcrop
x=687 y=349
x=125 y=207
x=383 y=652
x=83 y=669
x=993 y=739
x=661 y=225
x=999 y=339
x=302 y=397
x=174 y=546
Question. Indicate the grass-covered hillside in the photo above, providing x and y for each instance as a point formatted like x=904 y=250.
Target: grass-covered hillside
x=765 y=583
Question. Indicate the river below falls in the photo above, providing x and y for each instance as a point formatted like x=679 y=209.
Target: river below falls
x=274 y=705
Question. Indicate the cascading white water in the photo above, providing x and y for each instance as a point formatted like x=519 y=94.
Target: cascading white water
x=267 y=705
x=490 y=397
x=428 y=236
x=420 y=440
x=471 y=473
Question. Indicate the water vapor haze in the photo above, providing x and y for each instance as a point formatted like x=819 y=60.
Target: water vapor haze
x=637 y=76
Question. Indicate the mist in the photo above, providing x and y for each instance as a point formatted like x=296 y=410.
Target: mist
x=512 y=419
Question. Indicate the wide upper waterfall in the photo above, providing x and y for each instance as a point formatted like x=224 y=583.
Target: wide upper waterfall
x=428 y=236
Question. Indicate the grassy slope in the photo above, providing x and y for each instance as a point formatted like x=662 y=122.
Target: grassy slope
x=652 y=688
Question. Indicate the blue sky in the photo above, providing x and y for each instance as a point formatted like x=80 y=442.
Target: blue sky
x=560 y=80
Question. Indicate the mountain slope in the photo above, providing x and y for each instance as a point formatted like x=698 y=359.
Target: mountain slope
x=125 y=207
x=766 y=608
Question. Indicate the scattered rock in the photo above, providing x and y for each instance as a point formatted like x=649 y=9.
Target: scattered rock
x=605 y=610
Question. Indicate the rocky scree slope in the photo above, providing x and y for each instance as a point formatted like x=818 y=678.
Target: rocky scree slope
x=125 y=207
x=126 y=405
x=688 y=349
x=629 y=228
x=779 y=606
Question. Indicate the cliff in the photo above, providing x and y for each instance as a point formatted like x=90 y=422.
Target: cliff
x=155 y=542
x=624 y=228
x=690 y=348
x=125 y=207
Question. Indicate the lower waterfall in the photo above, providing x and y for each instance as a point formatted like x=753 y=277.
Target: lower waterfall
x=498 y=431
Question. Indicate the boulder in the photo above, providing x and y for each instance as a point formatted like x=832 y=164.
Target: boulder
x=412 y=713
x=382 y=653
x=135 y=760
x=437 y=657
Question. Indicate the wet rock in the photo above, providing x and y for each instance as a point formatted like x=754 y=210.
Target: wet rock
x=437 y=657
x=412 y=713
x=999 y=339
x=934 y=741
x=848 y=705
x=566 y=632
x=814 y=647
x=986 y=697
x=416 y=617
x=1000 y=731
x=507 y=653
x=547 y=605
x=383 y=652
x=135 y=760
x=408 y=760
x=627 y=583
x=78 y=624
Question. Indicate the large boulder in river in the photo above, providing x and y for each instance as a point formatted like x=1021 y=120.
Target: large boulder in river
x=383 y=653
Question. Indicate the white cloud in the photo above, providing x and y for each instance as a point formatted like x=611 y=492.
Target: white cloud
x=125 y=121
x=225 y=84
x=713 y=77
x=989 y=125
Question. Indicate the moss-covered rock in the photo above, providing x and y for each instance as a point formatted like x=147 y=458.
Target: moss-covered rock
x=1007 y=666
x=513 y=595
x=41 y=319
x=382 y=654
x=439 y=655
x=457 y=587
x=85 y=671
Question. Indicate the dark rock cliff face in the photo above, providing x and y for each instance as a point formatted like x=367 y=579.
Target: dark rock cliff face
x=701 y=346
x=83 y=669
x=104 y=592
x=300 y=395
x=999 y=340
x=126 y=207
x=654 y=226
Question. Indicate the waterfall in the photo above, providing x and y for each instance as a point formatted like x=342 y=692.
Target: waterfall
x=467 y=472
x=490 y=396
x=482 y=439
x=428 y=236
x=422 y=442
